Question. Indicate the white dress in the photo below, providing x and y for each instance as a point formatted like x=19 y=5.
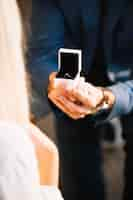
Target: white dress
x=19 y=178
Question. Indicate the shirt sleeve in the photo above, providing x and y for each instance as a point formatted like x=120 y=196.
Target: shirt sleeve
x=123 y=92
x=124 y=99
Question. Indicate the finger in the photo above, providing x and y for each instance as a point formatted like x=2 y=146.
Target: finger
x=71 y=107
x=85 y=95
x=81 y=79
x=79 y=93
x=72 y=110
x=75 y=108
x=56 y=83
x=52 y=76
x=97 y=92
x=61 y=106
x=81 y=98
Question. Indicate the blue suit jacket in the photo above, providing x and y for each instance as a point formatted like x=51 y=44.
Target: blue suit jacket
x=75 y=24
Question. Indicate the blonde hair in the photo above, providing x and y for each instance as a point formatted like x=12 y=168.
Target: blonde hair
x=13 y=91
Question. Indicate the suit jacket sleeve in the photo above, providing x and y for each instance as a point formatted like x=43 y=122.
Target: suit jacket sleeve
x=47 y=36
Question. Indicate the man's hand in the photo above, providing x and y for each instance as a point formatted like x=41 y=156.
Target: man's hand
x=77 y=98
x=60 y=93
